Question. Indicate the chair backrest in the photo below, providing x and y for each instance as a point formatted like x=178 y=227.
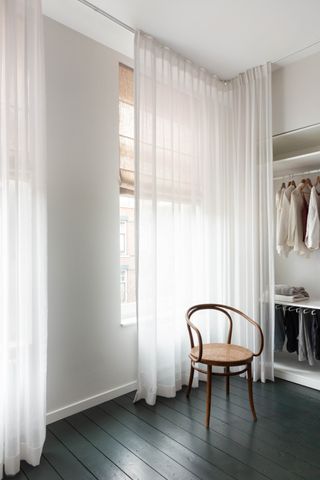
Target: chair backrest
x=224 y=309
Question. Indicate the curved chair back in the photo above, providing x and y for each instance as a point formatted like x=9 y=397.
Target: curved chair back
x=224 y=309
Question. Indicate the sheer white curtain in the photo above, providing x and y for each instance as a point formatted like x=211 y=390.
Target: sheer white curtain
x=204 y=202
x=241 y=211
x=23 y=292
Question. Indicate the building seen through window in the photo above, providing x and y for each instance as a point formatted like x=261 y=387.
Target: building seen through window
x=127 y=194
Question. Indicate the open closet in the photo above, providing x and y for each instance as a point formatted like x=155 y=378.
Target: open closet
x=296 y=168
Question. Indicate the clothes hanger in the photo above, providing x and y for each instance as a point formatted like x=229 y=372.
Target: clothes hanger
x=302 y=184
x=308 y=182
x=305 y=183
x=293 y=183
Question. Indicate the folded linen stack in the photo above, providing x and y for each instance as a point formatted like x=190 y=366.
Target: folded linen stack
x=288 y=293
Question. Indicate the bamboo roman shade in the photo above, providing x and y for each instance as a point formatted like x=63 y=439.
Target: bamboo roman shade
x=126 y=129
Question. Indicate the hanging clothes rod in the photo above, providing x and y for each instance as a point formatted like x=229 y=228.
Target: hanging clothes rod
x=296 y=308
x=107 y=15
x=298 y=174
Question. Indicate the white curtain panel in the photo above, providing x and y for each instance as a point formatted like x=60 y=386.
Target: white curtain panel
x=204 y=208
x=23 y=276
x=241 y=212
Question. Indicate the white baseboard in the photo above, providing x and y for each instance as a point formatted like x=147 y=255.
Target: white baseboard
x=89 y=402
x=311 y=381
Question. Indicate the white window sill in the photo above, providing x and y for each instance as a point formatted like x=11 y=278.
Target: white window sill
x=126 y=322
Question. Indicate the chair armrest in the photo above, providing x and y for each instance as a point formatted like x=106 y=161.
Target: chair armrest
x=261 y=339
x=191 y=327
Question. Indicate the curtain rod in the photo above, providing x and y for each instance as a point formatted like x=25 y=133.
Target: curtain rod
x=133 y=30
x=298 y=174
x=107 y=15
x=295 y=52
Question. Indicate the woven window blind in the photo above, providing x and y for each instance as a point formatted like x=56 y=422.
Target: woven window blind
x=126 y=130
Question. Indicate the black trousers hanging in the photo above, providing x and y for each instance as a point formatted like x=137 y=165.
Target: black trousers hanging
x=291 y=322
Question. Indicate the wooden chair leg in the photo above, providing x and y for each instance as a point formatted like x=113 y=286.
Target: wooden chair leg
x=208 y=406
x=190 y=380
x=227 y=370
x=251 y=392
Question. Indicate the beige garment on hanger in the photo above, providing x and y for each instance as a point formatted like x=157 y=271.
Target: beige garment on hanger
x=296 y=224
x=312 y=239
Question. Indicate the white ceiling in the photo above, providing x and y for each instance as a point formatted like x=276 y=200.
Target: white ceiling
x=225 y=36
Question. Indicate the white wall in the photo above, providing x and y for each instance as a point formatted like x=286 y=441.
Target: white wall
x=296 y=104
x=85 y=20
x=296 y=94
x=89 y=353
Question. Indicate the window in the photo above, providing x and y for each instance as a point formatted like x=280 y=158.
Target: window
x=127 y=196
x=123 y=284
x=123 y=237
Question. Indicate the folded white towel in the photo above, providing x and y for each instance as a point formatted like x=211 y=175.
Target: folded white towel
x=290 y=298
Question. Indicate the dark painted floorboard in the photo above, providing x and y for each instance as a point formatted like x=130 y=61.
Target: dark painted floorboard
x=85 y=452
x=44 y=470
x=213 y=446
x=120 y=440
x=19 y=476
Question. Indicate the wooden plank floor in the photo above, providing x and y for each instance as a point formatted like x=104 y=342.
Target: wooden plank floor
x=122 y=440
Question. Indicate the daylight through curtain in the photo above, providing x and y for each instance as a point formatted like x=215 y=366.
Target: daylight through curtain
x=204 y=207
x=23 y=257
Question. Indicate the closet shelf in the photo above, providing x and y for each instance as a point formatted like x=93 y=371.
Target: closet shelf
x=287 y=367
x=295 y=164
x=295 y=142
x=309 y=303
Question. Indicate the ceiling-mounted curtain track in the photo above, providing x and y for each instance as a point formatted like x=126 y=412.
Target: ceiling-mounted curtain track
x=107 y=15
x=132 y=30
x=295 y=52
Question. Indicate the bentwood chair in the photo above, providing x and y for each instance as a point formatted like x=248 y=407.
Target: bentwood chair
x=225 y=355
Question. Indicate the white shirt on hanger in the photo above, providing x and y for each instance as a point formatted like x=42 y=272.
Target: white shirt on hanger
x=283 y=199
x=312 y=239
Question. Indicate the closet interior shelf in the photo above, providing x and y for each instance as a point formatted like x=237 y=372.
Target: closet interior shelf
x=294 y=164
x=297 y=150
x=308 y=303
